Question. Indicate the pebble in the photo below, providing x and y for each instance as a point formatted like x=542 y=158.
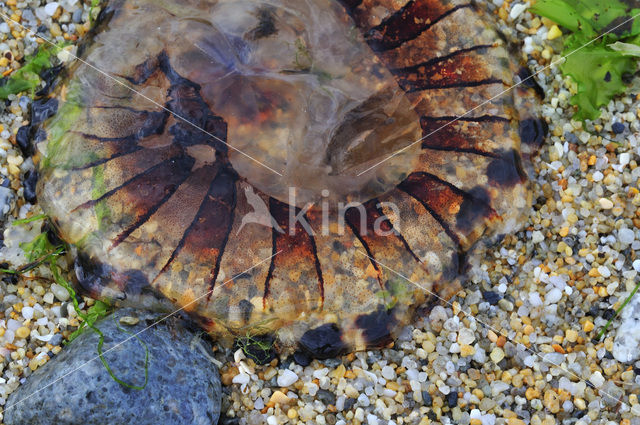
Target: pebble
x=626 y=236
x=597 y=379
x=553 y=296
x=51 y=8
x=517 y=9
x=497 y=354
x=287 y=378
x=388 y=373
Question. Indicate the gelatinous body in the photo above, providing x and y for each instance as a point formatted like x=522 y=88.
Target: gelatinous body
x=288 y=166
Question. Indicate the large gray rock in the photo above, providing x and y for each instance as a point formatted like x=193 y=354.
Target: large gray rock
x=183 y=388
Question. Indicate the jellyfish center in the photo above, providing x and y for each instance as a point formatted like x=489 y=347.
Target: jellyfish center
x=309 y=107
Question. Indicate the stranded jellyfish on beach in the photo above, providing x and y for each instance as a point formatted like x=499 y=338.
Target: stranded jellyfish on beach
x=309 y=169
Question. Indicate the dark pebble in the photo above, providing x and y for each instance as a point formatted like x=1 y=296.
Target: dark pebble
x=327 y=397
x=491 y=297
x=432 y=415
x=452 y=399
x=349 y=403
x=56 y=339
x=608 y=314
x=618 y=127
x=426 y=399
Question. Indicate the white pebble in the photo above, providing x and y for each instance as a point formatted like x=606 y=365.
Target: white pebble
x=27 y=312
x=51 y=8
x=517 y=9
x=534 y=299
x=272 y=420
x=605 y=203
x=287 y=378
x=553 y=296
x=4 y=28
x=636 y=265
x=604 y=271
x=596 y=379
x=363 y=400
x=388 y=373
x=241 y=379
x=466 y=336
x=624 y=158
x=626 y=236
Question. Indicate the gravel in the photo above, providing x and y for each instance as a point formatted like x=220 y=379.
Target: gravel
x=517 y=346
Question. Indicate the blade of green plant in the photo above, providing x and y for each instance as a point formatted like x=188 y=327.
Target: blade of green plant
x=30 y=219
x=106 y=365
x=618 y=310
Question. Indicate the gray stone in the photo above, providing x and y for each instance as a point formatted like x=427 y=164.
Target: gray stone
x=75 y=388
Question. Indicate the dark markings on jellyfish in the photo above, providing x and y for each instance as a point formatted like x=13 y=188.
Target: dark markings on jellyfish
x=354 y=223
x=408 y=23
x=476 y=206
x=323 y=342
x=482 y=118
x=131 y=282
x=292 y=245
x=461 y=136
x=456 y=81
x=420 y=68
x=245 y=308
x=144 y=71
x=506 y=170
x=376 y=327
x=266 y=24
x=473 y=205
x=272 y=266
x=387 y=225
x=198 y=222
x=527 y=79
x=210 y=233
x=150 y=123
x=158 y=173
x=165 y=182
x=350 y=5
x=126 y=150
x=417 y=186
x=533 y=131
x=91 y=276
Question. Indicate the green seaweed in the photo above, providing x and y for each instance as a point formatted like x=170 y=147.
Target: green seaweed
x=599 y=50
